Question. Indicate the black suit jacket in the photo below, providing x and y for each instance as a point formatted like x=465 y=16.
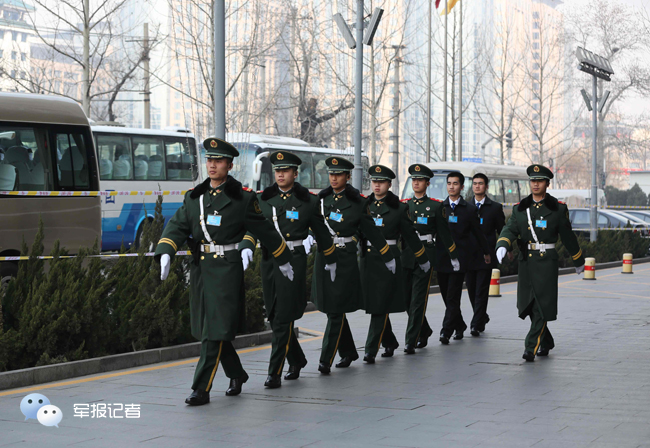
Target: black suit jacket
x=466 y=233
x=493 y=220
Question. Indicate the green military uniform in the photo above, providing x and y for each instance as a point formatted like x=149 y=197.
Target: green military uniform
x=216 y=275
x=537 y=288
x=430 y=222
x=346 y=214
x=295 y=212
x=383 y=292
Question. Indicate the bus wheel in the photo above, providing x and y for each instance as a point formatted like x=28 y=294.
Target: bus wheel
x=8 y=270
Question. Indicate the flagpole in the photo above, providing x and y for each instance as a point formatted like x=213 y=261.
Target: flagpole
x=428 y=151
x=460 y=88
x=444 y=84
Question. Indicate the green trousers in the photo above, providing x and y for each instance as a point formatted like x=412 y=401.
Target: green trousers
x=284 y=345
x=213 y=352
x=338 y=337
x=380 y=333
x=539 y=334
x=417 y=284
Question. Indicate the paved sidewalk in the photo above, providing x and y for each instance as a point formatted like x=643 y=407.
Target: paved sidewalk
x=593 y=390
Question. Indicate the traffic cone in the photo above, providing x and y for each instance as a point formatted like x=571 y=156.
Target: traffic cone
x=627 y=264
x=495 y=284
x=590 y=269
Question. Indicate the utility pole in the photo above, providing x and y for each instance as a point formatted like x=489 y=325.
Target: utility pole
x=444 y=95
x=460 y=87
x=428 y=143
x=396 y=112
x=357 y=174
x=244 y=126
x=219 y=76
x=85 y=76
x=147 y=88
x=373 y=111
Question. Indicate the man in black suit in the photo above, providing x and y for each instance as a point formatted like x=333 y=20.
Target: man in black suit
x=463 y=222
x=491 y=221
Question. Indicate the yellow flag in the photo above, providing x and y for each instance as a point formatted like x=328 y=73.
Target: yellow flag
x=450 y=5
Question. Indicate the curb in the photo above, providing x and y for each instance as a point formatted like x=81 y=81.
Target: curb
x=56 y=372
x=562 y=271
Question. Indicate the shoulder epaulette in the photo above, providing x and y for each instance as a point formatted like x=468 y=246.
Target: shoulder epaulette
x=363 y=195
x=246 y=188
x=563 y=203
x=190 y=189
x=434 y=199
x=405 y=200
x=311 y=192
x=260 y=191
x=517 y=204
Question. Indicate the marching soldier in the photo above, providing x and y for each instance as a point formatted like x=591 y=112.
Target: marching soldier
x=346 y=214
x=429 y=220
x=477 y=279
x=535 y=225
x=217 y=214
x=463 y=223
x=293 y=210
x=383 y=293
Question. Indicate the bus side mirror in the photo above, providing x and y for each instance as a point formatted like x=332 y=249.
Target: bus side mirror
x=257 y=170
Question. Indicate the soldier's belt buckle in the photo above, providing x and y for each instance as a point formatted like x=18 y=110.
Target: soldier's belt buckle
x=206 y=248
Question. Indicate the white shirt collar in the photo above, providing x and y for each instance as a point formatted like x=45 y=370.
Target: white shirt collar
x=482 y=201
x=454 y=202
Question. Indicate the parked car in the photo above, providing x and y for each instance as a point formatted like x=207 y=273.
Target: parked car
x=641 y=214
x=580 y=221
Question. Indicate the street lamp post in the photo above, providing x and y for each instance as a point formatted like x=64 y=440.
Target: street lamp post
x=599 y=68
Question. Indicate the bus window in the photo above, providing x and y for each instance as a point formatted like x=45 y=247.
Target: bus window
x=115 y=160
x=511 y=191
x=495 y=190
x=180 y=160
x=305 y=171
x=73 y=166
x=524 y=188
x=148 y=158
x=321 y=177
x=267 y=178
x=22 y=165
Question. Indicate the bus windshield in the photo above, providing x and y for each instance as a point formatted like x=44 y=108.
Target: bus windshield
x=28 y=163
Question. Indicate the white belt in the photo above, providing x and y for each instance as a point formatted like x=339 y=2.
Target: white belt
x=541 y=247
x=294 y=243
x=389 y=242
x=428 y=238
x=218 y=248
x=342 y=240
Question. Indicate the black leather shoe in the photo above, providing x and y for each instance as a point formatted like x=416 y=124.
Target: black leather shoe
x=389 y=351
x=409 y=349
x=235 y=386
x=198 y=398
x=529 y=356
x=273 y=381
x=543 y=351
x=444 y=339
x=346 y=361
x=423 y=342
x=324 y=368
x=370 y=359
x=474 y=332
x=459 y=335
x=293 y=373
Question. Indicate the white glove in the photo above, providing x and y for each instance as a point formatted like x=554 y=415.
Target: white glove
x=332 y=269
x=501 y=252
x=164 y=266
x=455 y=264
x=287 y=271
x=580 y=269
x=307 y=243
x=246 y=257
x=391 y=265
x=425 y=267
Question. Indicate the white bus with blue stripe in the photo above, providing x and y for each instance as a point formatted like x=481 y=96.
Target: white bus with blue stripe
x=132 y=159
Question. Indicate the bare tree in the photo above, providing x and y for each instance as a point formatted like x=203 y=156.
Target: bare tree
x=621 y=34
x=503 y=82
